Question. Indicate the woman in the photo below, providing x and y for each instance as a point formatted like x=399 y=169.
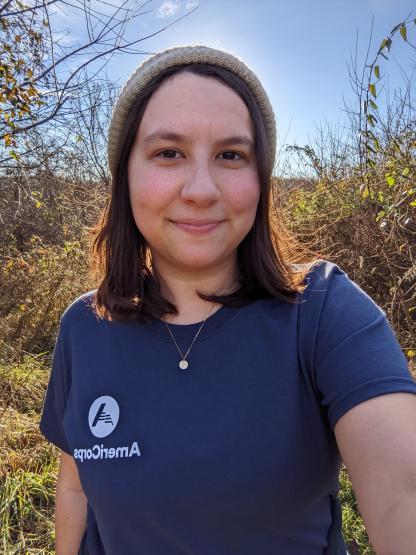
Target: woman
x=202 y=397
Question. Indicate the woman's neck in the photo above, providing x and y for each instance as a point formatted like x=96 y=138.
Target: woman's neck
x=181 y=289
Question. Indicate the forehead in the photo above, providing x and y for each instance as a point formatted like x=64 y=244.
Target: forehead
x=190 y=102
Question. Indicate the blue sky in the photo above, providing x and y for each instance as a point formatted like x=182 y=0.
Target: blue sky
x=298 y=48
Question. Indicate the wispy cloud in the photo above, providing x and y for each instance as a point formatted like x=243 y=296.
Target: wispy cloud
x=168 y=8
x=192 y=4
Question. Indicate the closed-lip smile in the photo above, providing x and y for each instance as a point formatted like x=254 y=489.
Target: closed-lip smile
x=196 y=222
x=197 y=227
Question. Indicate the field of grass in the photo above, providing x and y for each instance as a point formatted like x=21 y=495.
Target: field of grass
x=27 y=461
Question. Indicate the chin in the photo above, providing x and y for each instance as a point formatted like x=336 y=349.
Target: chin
x=196 y=263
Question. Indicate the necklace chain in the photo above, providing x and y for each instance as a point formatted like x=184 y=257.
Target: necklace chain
x=183 y=363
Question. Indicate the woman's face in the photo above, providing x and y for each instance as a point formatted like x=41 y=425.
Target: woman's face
x=192 y=174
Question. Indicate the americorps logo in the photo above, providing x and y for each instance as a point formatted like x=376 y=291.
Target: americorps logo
x=103 y=418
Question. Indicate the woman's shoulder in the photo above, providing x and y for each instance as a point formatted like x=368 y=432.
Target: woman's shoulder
x=320 y=273
x=80 y=309
x=329 y=286
x=320 y=270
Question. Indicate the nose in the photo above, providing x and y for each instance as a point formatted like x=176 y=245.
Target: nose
x=200 y=186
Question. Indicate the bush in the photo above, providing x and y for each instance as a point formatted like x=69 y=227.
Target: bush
x=37 y=285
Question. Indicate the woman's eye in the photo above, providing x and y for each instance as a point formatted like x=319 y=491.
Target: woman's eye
x=168 y=154
x=230 y=155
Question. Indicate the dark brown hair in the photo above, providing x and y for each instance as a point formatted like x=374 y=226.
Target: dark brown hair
x=271 y=262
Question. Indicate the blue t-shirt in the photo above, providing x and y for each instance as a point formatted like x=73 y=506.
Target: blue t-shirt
x=235 y=455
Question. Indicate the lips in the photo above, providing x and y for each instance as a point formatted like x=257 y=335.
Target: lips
x=197 y=226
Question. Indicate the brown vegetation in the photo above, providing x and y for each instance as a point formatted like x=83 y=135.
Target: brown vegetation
x=352 y=198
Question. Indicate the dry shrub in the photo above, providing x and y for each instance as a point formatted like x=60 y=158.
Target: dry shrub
x=22 y=385
x=37 y=285
x=43 y=255
x=22 y=446
x=363 y=220
x=47 y=205
x=379 y=259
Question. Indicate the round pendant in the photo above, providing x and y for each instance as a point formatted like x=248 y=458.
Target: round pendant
x=183 y=365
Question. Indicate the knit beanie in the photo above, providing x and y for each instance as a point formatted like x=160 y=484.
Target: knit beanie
x=158 y=63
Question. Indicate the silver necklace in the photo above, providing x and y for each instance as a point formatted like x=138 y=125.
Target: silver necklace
x=183 y=363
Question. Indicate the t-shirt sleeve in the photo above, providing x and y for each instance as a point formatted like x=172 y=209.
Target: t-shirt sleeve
x=51 y=423
x=357 y=355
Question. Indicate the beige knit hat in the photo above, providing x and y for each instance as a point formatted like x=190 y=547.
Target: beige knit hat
x=171 y=57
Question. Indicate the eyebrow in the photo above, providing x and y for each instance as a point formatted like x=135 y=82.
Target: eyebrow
x=162 y=135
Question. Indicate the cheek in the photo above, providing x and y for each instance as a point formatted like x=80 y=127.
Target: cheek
x=244 y=194
x=149 y=191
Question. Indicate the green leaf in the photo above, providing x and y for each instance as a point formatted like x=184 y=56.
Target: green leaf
x=388 y=44
x=373 y=104
x=413 y=203
x=405 y=172
x=371 y=119
x=7 y=139
x=383 y=45
x=372 y=89
x=377 y=71
x=403 y=32
x=390 y=180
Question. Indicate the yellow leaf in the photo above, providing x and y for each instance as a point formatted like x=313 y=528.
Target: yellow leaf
x=411 y=353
